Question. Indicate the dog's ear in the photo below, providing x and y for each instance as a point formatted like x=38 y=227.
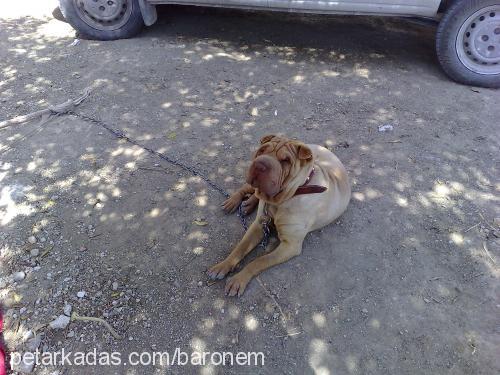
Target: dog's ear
x=304 y=152
x=266 y=138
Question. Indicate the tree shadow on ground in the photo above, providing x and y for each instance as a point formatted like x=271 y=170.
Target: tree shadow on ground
x=401 y=284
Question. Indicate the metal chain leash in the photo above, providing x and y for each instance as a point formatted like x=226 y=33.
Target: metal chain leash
x=121 y=135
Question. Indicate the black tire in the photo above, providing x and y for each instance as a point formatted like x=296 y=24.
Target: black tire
x=125 y=25
x=447 y=39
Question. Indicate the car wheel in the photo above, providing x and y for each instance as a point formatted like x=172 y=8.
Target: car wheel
x=103 y=19
x=468 y=42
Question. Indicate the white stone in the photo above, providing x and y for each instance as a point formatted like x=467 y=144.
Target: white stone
x=81 y=294
x=32 y=239
x=18 y=276
x=28 y=335
x=60 y=322
x=33 y=343
x=67 y=309
x=24 y=366
x=34 y=252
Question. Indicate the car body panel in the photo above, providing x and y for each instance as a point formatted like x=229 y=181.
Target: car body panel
x=423 y=8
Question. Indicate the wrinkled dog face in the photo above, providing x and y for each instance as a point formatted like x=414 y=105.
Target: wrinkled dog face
x=277 y=161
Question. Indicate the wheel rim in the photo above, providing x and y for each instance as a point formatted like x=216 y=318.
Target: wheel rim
x=104 y=14
x=478 y=41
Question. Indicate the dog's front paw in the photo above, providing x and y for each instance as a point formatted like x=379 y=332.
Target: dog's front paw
x=237 y=284
x=220 y=270
x=231 y=203
x=250 y=204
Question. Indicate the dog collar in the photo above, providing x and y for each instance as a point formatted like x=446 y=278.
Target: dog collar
x=309 y=189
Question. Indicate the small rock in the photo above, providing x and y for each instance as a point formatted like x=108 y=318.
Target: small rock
x=22 y=310
x=496 y=221
x=67 y=309
x=70 y=334
x=385 y=128
x=60 y=322
x=28 y=335
x=364 y=311
x=81 y=294
x=114 y=286
x=25 y=366
x=34 y=252
x=18 y=276
x=200 y=283
x=32 y=239
x=33 y=343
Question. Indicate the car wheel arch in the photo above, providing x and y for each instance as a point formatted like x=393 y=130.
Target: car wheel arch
x=148 y=11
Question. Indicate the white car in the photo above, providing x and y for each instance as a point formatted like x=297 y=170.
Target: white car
x=467 y=40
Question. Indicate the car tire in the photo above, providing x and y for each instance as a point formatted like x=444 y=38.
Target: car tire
x=103 y=19
x=468 y=42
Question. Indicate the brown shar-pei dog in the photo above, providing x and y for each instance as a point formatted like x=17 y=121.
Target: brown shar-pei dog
x=298 y=188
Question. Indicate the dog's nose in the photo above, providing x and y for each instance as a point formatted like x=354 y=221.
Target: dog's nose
x=257 y=168
x=260 y=166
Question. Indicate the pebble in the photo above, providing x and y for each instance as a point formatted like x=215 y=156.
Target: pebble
x=67 y=309
x=81 y=294
x=33 y=343
x=25 y=366
x=385 y=128
x=34 y=252
x=114 y=286
x=70 y=334
x=19 y=276
x=60 y=322
x=496 y=221
x=32 y=239
x=364 y=311
x=28 y=335
x=200 y=283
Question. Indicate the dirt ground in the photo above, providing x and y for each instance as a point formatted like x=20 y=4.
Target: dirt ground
x=406 y=282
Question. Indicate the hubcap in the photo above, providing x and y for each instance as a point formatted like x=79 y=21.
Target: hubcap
x=104 y=14
x=478 y=41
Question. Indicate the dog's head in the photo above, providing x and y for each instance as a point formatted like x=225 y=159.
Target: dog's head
x=276 y=162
